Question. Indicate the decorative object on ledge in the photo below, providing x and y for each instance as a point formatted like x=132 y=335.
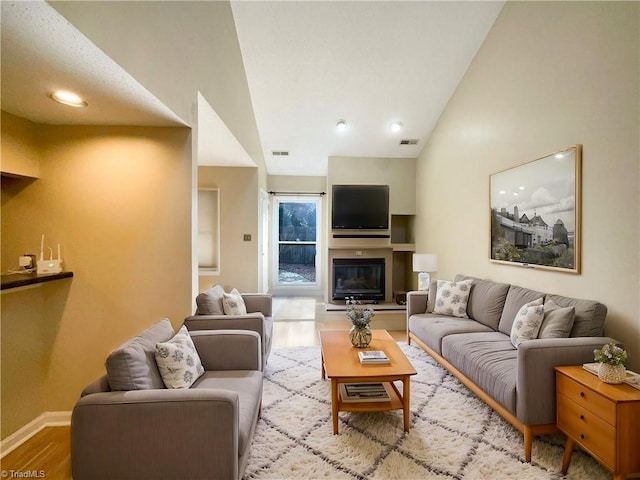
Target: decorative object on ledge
x=424 y=263
x=535 y=212
x=611 y=360
x=360 y=316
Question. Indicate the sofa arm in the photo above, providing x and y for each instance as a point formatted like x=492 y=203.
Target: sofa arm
x=258 y=302
x=221 y=350
x=155 y=434
x=536 y=380
x=417 y=302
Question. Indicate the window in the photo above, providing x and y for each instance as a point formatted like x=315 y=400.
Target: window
x=209 y=231
x=296 y=247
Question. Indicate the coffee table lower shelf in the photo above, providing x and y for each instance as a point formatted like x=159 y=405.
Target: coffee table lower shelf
x=398 y=401
x=394 y=403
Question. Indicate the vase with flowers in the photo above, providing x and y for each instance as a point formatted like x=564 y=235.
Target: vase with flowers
x=611 y=358
x=360 y=316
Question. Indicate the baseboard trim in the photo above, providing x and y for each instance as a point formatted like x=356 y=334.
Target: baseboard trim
x=47 y=419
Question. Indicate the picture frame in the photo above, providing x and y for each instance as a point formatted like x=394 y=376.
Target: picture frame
x=535 y=212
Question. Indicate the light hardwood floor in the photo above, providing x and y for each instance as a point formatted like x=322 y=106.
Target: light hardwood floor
x=296 y=323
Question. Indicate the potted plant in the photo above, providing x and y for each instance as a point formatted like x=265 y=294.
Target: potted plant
x=360 y=316
x=611 y=358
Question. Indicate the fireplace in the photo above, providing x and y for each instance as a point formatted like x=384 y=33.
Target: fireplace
x=361 y=278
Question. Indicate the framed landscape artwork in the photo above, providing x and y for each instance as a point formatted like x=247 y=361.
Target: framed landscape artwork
x=535 y=212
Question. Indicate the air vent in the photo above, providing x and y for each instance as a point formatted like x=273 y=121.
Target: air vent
x=280 y=153
x=409 y=141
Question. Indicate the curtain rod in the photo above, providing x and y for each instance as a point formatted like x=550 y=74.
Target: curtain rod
x=312 y=194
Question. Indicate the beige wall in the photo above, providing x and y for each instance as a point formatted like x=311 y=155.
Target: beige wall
x=398 y=173
x=118 y=200
x=20 y=155
x=180 y=48
x=548 y=75
x=238 y=216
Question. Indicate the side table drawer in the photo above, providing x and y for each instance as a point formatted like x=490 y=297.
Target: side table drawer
x=587 y=429
x=588 y=399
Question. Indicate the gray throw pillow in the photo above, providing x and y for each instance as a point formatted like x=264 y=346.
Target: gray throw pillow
x=209 y=302
x=557 y=322
x=431 y=300
x=132 y=366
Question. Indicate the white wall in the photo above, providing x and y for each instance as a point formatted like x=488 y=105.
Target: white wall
x=549 y=75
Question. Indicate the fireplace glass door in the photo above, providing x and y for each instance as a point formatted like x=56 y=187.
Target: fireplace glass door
x=360 y=278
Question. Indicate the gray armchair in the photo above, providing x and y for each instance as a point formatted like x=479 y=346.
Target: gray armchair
x=201 y=432
x=210 y=316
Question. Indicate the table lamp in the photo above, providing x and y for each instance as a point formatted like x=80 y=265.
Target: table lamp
x=424 y=263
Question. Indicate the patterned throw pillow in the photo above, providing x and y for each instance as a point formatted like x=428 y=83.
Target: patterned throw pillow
x=178 y=361
x=452 y=298
x=233 y=303
x=527 y=322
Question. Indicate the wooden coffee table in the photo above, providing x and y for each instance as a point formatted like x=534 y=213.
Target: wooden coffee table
x=341 y=364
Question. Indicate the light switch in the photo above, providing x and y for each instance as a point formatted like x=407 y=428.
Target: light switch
x=247 y=237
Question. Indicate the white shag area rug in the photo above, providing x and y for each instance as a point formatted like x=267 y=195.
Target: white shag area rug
x=453 y=434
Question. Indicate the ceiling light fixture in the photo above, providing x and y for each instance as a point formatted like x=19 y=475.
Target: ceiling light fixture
x=341 y=125
x=68 y=98
x=396 y=127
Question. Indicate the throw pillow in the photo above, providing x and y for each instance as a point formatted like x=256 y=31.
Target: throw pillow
x=557 y=321
x=210 y=301
x=178 y=361
x=527 y=322
x=233 y=303
x=452 y=298
x=132 y=366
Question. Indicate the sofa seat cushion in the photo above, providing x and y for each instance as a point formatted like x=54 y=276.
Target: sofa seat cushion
x=487 y=359
x=432 y=328
x=248 y=385
x=132 y=366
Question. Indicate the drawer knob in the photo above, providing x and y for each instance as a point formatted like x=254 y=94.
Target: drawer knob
x=582 y=394
x=582 y=436
x=581 y=417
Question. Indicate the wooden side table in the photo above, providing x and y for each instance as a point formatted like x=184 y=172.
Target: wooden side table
x=603 y=419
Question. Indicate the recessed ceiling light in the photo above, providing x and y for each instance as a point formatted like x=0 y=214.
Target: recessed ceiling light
x=396 y=127
x=68 y=98
x=341 y=125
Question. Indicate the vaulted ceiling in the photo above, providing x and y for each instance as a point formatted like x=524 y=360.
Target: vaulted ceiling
x=277 y=75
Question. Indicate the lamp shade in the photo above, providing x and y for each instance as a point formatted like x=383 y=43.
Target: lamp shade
x=425 y=262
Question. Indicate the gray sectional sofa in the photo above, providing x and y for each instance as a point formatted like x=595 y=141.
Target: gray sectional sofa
x=128 y=425
x=518 y=383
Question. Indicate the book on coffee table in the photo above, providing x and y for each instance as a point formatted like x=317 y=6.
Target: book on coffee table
x=373 y=357
x=364 y=392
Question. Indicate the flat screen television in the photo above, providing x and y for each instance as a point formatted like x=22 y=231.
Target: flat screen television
x=360 y=207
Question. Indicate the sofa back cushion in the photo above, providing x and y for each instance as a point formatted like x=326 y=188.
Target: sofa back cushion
x=589 y=315
x=209 y=302
x=516 y=298
x=132 y=366
x=486 y=300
